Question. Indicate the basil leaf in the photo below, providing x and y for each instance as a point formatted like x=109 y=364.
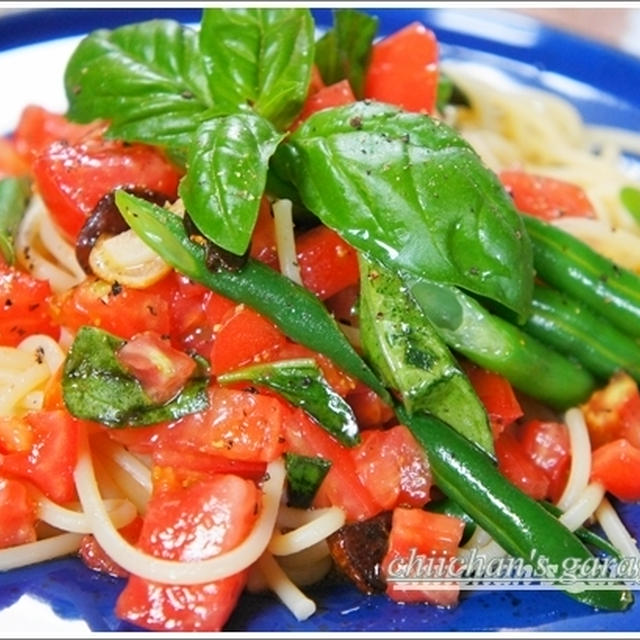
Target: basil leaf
x=226 y=178
x=630 y=197
x=260 y=58
x=409 y=192
x=449 y=93
x=345 y=51
x=148 y=79
x=304 y=477
x=95 y=386
x=14 y=196
x=301 y=383
x=411 y=357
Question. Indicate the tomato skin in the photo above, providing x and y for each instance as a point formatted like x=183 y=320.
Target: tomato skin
x=17 y=514
x=327 y=263
x=237 y=425
x=518 y=468
x=546 y=198
x=333 y=95
x=51 y=460
x=615 y=464
x=393 y=467
x=404 y=69
x=117 y=309
x=547 y=444
x=430 y=535
x=263 y=239
x=370 y=410
x=24 y=307
x=497 y=396
x=341 y=486
x=72 y=178
x=189 y=524
x=15 y=434
x=614 y=412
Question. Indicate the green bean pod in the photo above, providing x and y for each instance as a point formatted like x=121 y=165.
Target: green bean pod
x=519 y=524
x=574 y=329
x=294 y=309
x=568 y=264
x=492 y=342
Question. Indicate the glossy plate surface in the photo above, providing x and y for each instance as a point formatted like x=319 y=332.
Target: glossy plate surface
x=65 y=599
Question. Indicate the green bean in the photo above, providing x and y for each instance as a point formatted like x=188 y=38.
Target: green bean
x=519 y=524
x=569 y=265
x=495 y=344
x=14 y=196
x=573 y=328
x=296 y=311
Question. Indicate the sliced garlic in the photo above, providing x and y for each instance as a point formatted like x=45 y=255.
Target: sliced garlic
x=126 y=259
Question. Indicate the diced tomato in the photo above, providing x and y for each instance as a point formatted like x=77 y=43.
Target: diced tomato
x=195 y=312
x=39 y=127
x=327 y=263
x=547 y=445
x=15 y=434
x=370 y=410
x=17 y=514
x=404 y=69
x=161 y=370
x=497 y=395
x=420 y=534
x=116 y=308
x=546 y=198
x=614 y=412
x=189 y=524
x=238 y=425
x=72 y=178
x=11 y=164
x=244 y=336
x=95 y=557
x=343 y=305
x=316 y=82
x=50 y=462
x=615 y=464
x=393 y=467
x=263 y=239
x=338 y=380
x=333 y=95
x=341 y=486
x=517 y=467
x=24 y=307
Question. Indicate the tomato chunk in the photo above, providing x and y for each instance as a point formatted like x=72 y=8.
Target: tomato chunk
x=546 y=198
x=393 y=467
x=17 y=514
x=51 y=460
x=333 y=95
x=189 y=524
x=24 y=307
x=615 y=464
x=72 y=178
x=327 y=263
x=427 y=536
x=404 y=69
x=370 y=410
x=11 y=164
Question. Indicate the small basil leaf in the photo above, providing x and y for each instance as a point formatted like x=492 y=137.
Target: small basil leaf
x=226 y=177
x=630 y=197
x=345 y=51
x=14 y=196
x=407 y=351
x=148 y=79
x=304 y=477
x=301 y=383
x=95 y=386
x=260 y=58
x=449 y=93
x=409 y=192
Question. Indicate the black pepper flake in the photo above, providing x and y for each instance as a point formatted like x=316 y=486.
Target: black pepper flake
x=356 y=122
x=116 y=289
x=33 y=306
x=8 y=303
x=39 y=355
x=152 y=310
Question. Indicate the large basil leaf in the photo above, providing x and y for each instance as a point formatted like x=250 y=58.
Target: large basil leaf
x=260 y=58
x=344 y=51
x=226 y=178
x=408 y=353
x=147 y=78
x=408 y=191
x=302 y=383
x=14 y=196
x=95 y=386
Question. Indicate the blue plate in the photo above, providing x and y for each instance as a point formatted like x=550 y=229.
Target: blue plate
x=63 y=598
